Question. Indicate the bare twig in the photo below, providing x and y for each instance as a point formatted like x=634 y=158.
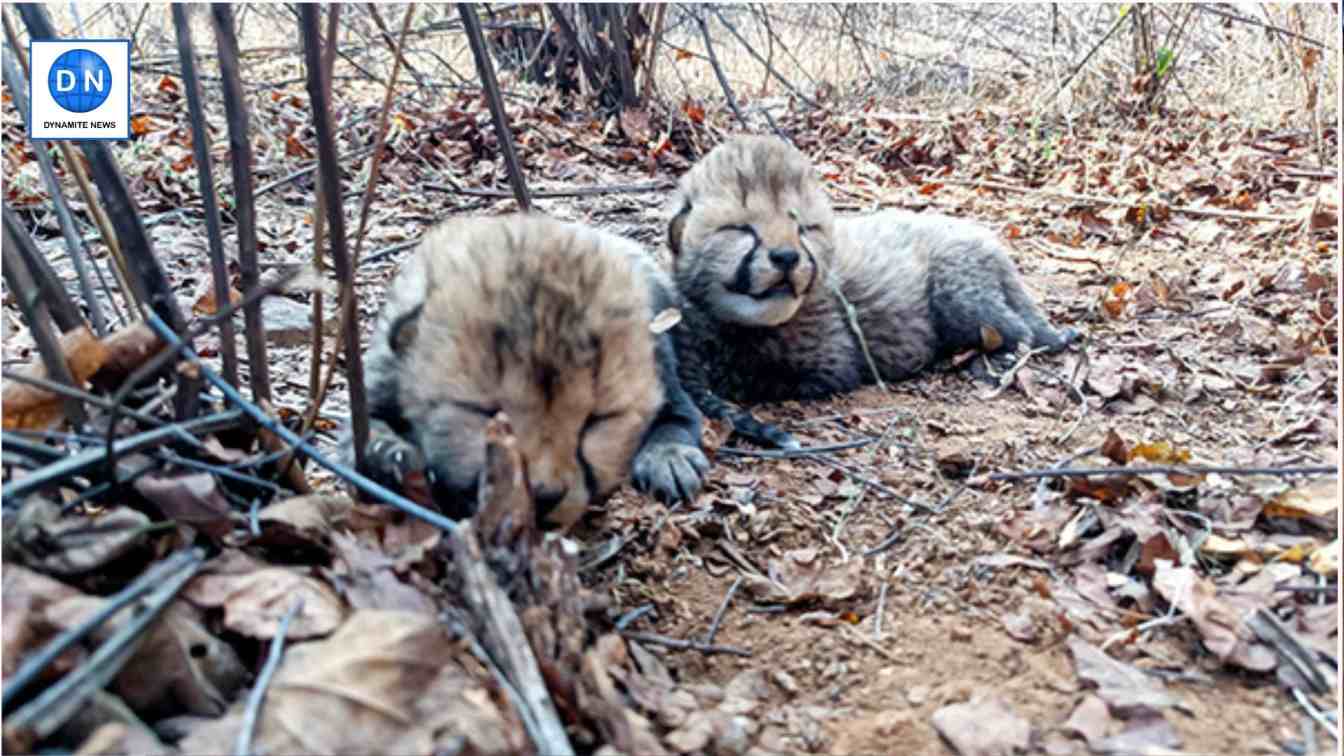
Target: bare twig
x=684 y=645
x=331 y=189
x=881 y=605
x=1216 y=11
x=73 y=245
x=34 y=664
x=1115 y=201
x=718 y=70
x=1083 y=472
x=723 y=608
x=577 y=191
x=35 y=312
x=243 y=747
x=486 y=69
x=240 y=151
x=792 y=453
x=205 y=177
x=362 y=483
x=770 y=70
x=44 y=714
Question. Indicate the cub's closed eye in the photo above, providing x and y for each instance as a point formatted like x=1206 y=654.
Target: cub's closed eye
x=479 y=409
x=812 y=228
x=741 y=229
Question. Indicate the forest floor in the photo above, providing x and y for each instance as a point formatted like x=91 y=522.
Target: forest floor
x=894 y=597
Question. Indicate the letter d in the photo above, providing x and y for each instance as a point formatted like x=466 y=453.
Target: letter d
x=65 y=80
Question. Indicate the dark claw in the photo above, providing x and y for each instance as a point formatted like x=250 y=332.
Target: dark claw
x=670 y=471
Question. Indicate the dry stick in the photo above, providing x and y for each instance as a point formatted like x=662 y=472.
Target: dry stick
x=72 y=240
x=1205 y=8
x=243 y=746
x=685 y=645
x=34 y=664
x=486 y=69
x=1076 y=69
x=148 y=281
x=578 y=191
x=370 y=190
x=360 y=482
x=57 y=704
x=47 y=285
x=881 y=605
x=319 y=230
x=245 y=213
x=331 y=188
x=205 y=176
x=1201 y=211
x=120 y=271
x=718 y=71
x=723 y=608
x=850 y=313
x=624 y=71
x=649 y=58
x=395 y=46
x=792 y=453
x=1083 y=472
x=38 y=317
x=770 y=70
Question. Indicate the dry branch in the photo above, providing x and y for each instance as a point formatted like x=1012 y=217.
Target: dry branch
x=486 y=68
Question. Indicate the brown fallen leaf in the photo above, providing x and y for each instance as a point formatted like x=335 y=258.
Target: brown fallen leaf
x=792 y=582
x=254 y=597
x=177 y=668
x=1114 y=448
x=1319 y=498
x=983 y=726
x=990 y=338
x=30 y=408
x=24 y=599
x=193 y=499
x=71 y=544
x=368 y=579
x=1126 y=689
x=385 y=682
x=1221 y=623
x=1092 y=720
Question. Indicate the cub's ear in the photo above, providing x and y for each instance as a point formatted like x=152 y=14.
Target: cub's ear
x=404 y=330
x=675 y=227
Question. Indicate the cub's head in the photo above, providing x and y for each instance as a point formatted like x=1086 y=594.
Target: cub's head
x=546 y=321
x=751 y=235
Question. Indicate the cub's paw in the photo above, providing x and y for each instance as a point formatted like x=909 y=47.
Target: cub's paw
x=1062 y=338
x=669 y=471
x=399 y=465
x=765 y=434
x=989 y=368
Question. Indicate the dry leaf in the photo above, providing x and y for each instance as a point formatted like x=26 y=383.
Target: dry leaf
x=990 y=339
x=1123 y=687
x=193 y=499
x=30 y=408
x=1220 y=623
x=793 y=582
x=254 y=598
x=1320 y=498
x=983 y=726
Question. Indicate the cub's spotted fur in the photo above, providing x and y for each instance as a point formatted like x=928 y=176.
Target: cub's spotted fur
x=548 y=322
x=754 y=240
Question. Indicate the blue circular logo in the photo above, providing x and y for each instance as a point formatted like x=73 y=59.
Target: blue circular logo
x=80 y=80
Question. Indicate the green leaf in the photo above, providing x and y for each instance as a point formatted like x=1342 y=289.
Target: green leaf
x=1164 y=58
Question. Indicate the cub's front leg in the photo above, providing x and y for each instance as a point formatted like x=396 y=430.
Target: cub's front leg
x=670 y=465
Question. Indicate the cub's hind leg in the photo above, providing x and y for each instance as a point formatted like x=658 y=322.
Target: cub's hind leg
x=1043 y=334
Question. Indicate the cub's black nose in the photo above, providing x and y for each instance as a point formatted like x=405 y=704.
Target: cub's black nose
x=784 y=259
x=547 y=500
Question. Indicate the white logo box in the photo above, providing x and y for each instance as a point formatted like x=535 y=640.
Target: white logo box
x=110 y=120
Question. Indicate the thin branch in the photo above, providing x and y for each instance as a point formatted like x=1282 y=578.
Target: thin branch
x=245 y=213
x=684 y=645
x=1083 y=472
x=359 y=481
x=770 y=70
x=723 y=608
x=485 y=68
x=793 y=453
x=205 y=176
x=243 y=746
x=718 y=70
x=331 y=189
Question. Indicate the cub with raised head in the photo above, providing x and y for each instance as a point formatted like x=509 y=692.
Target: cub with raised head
x=754 y=240
x=548 y=322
